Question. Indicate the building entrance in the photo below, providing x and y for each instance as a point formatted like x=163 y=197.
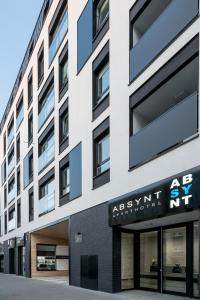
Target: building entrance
x=163 y=259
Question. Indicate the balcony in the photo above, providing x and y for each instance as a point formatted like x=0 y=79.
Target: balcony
x=175 y=126
x=46 y=109
x=59 y=36
x=11 y=224
x=20 y=117
x=11 y=195
x=172 y=20
x=10 y=136
x=46 y=204
x=11 y=165
x=47 y=156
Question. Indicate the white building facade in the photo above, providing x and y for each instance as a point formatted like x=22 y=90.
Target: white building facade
x=100 y=148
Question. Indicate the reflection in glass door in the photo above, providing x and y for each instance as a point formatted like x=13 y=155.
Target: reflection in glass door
x=195 y=259
x=174 y=260
x=149 y=266
x=127 y=255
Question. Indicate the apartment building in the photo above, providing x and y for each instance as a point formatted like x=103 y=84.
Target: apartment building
x=100 y=164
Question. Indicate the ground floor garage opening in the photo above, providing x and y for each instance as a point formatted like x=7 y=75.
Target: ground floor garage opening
x=50 y=253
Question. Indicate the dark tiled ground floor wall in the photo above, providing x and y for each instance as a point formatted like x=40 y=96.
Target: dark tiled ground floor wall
x=97 y=239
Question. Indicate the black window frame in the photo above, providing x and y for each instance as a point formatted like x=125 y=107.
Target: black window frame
x=97 y=66
x=4 y=143
x=40 y=64
x=96 y=5
x=18 y=181
x=19 y=106
x=18 y=148
x=27 y=173
x=98 y=134
x=46 y=135
x=5 y=196
x=63 y=58
x=5 y=222
x=48 y=177
x=18 y=213
x=30 y=88
x=46 y=270
x=63 y=143
x=64 y=163
x=31 y=204
x=30 y=129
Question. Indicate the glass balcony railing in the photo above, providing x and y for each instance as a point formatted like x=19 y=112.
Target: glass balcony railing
x=47 y=156
x=11 y=136
x=11 y=195
x=47 y=203
x=177 y=15
x=46 y=109
x=11 y=224
x=57 y=40
x=20 y=117
x=11 y=165
x=166 y=131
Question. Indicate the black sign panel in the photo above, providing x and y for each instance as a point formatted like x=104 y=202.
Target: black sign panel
x=173 y=195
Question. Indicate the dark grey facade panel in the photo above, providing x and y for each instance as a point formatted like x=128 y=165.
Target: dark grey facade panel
x=97 y=239
x=85 y=35
x=75 y=165
x=177 y=15
x=26 y=170
x=170 y=129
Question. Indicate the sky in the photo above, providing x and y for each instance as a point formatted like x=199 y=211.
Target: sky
x=17 y=21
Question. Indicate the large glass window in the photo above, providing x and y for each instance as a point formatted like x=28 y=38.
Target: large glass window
x=102 y=13
x=103 y=154
x=174 y=260
x=41 y=65
x=103 y=83
x=46 y=257
x=127 y=261
x=64 y=127
x=65 y=180
x=46 y=197
x=57 y=34
x=63 y=72
x=31 y=205
x=46 y=105
x=149 y=260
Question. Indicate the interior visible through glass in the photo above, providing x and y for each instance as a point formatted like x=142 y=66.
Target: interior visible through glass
x=127 y=261
x=174 y=259
x=149 y=260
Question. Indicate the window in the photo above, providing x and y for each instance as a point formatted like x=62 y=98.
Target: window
x=11 y=184
x=46 y=101
x=28 y=168
x=3 y=172
x=63 y=72
x=30 y=88
x=31 y=205
x=46 y=147
x=18 y=181
x=11 y=218
x=4 y=143
x=30 y=127
x=18 y=213
x=46 y=193
x=11 y=160
x=46 y=257
x=101 y=14
x=10 y=132
x=31 y=166
x=5 y=196
x=18 y=147
x=101 y=152
x=41 y=65
x=101 y=84
x=58 y=29
x=19 y=112
x=65 y=181
x=63 y=126
x=5 y=223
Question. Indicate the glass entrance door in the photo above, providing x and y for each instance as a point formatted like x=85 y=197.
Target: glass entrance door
x=149 y=264
x=174 y=260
